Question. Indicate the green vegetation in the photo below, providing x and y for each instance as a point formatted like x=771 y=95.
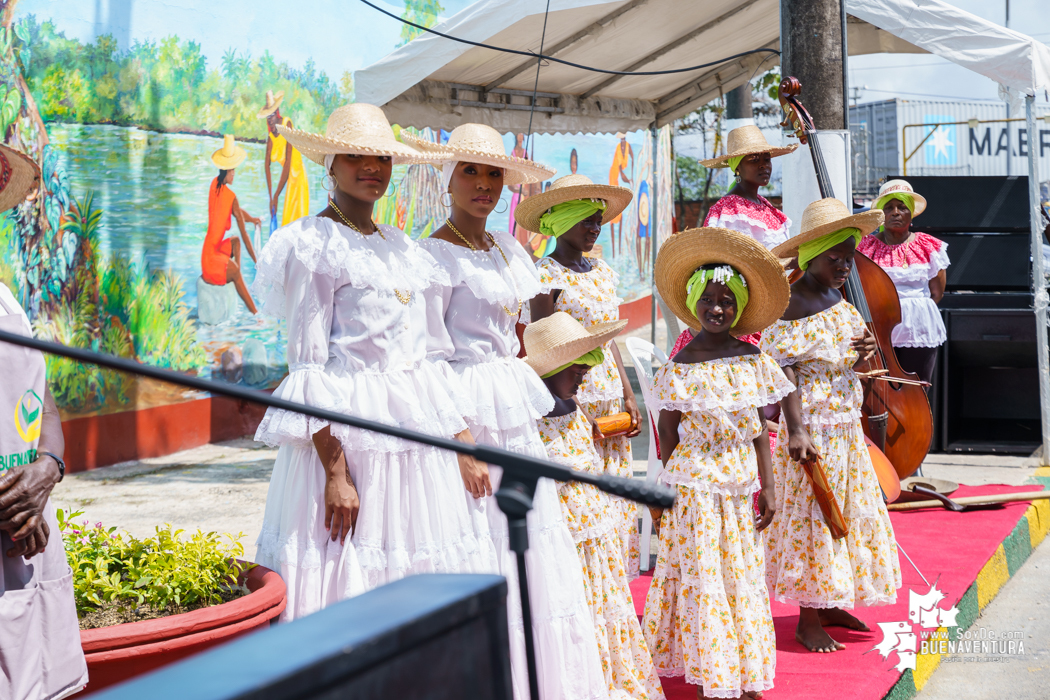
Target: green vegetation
x=422 y=12
x=166 y=86
x=165 y=572
x=113 y=307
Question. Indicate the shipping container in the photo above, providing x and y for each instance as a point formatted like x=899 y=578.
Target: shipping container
x=885 y=133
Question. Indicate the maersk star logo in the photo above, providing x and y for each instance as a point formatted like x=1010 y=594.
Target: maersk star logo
x=924 y=612
x=939 y=149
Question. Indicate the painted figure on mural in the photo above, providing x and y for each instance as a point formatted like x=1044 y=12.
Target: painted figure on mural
x=617 y=174
x=297 y=199
x=642 y=243
x=221 y=256
x=574 y=162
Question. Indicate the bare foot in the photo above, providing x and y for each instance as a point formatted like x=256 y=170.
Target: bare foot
x=812 y=635
x=836 y=617
x=755 y=694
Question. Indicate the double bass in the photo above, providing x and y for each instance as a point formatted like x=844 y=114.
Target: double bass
x=898 y=419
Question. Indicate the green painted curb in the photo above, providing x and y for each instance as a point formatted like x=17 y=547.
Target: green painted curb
x=903 y=689
x=1018 y=546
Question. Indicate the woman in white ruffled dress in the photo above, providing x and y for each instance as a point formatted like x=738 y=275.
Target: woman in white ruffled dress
x=353 y=294
x=473 y=327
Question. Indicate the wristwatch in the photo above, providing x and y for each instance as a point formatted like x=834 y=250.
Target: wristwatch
x=58 y=460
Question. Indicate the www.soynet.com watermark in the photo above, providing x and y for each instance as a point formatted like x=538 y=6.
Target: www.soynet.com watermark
x=931 y=629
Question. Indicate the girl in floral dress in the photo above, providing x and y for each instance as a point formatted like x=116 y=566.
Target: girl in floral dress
x=573 y=211
x=563 y=352
x=750 y=158
x=707 y=613
x=818 y=342
x=472 y=326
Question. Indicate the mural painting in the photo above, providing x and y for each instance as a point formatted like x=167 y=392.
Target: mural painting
x=163 y=175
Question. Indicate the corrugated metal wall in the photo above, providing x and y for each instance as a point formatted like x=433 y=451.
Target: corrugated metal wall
x=989 y=149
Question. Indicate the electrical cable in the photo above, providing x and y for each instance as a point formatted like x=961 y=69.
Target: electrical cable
x=533 y=54
x=536 y=85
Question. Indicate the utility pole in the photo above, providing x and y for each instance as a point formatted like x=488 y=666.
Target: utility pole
x=812 y=38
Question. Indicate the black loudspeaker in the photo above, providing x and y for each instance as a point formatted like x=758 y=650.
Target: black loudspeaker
x=435 y=636
x=979 y=204
x=988 y=262
x=989 y=382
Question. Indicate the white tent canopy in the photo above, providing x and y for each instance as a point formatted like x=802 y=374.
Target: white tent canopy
x=1017 y=62
x=437 y=82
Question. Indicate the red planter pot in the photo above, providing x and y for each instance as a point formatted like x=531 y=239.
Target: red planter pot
x=120 y=652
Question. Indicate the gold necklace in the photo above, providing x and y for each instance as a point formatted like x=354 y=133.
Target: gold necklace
x=350 y=223
x=403 y=297
x=448 y=222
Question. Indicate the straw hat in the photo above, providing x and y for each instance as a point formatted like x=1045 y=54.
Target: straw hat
x=354 y=128
x=899 y=187
x=273 y=101
x=743 y=141
x=230 y=155
x=559 y=339
x=566 y=189
x=826 y=216
x=478 y=143
x=688 y=251
x=19 y=176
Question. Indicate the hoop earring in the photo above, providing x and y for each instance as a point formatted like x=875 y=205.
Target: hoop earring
x=390 y=191
x=451 y=200
x=506 y=206
x=328 y=183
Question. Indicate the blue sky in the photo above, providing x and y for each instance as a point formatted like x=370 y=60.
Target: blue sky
x=340 y=35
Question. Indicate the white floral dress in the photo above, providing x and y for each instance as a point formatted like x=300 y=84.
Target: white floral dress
x=354 y=347
x=707 y=613
x=593 y=519
x=590 y=298
x=471 y=324
x=804 y=565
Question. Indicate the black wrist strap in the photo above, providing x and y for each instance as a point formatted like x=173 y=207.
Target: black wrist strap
x=58 y=460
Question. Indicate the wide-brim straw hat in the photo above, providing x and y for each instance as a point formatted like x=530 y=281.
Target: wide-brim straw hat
x=826 y=216
x=891 y=187
x=478 y=143
x=743 y=141
x=560 y=339
x=273 y=101
x=568 y=189
x=357 y=128
x=230 y=155
x=19 y=176
x=686 y=252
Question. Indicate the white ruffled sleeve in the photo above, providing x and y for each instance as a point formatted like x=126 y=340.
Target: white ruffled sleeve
x=939 y=260
x=307 y=295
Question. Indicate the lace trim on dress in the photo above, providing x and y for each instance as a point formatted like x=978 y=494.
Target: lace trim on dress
x=506 y=393
x=920 y=250
x=327 y=248
x=484 y=273
x=728 y=384
x=705 y=487
x=806 y=339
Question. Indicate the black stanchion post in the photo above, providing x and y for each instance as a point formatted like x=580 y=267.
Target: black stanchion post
x=514 y=497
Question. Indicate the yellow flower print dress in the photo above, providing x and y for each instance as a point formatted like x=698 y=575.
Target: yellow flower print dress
x=804 y=565
x=707 y=613
x=590 y=298
x=593 y=518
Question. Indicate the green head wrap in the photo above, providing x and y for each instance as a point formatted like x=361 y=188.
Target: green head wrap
x=808 y=251
x=594 y=357
x=908 y=200
x=735 y=161
x=562 y=217
x=727 y=276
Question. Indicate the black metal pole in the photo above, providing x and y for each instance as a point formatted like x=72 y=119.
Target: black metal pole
x=514 y=497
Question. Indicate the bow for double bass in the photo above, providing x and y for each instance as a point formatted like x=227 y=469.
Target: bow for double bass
x=898 y=419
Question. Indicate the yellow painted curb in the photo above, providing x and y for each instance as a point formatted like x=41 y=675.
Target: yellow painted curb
x=927 y=663
x=1042 y=471
x=992 y=577
x=1038 y=515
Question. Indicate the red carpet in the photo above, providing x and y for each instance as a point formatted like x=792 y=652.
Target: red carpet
x=950 y=546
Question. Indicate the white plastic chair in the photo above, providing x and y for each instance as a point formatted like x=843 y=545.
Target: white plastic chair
x=642 y=354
